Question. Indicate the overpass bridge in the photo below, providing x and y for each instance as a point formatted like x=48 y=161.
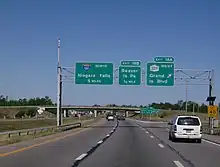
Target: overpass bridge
x=79 y=107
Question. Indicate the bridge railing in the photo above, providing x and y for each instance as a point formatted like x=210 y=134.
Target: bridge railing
x=77 y=107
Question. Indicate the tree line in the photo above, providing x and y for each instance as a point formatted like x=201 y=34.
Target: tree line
x=5 y=101
x=180 y=105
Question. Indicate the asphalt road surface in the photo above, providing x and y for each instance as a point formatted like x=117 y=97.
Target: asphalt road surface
x=129 y=144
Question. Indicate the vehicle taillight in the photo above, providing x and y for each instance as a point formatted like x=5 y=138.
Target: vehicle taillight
x=175 y=128
x=201 y=129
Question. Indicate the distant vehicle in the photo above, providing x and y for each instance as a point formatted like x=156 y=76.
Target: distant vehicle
x=185 y=127
x=120 y=117
x=110 y=117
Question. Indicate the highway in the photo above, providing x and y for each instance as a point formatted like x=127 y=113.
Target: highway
x=126 y=144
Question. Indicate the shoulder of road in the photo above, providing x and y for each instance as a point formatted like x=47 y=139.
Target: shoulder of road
x=25 y=145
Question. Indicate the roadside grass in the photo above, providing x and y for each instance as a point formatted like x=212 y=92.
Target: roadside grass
x=5 y=140
x=165 y=115
x=17 y=124
x=15 y=138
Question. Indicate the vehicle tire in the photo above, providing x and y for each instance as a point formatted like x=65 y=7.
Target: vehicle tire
x=199 y=140
x=173 y=139
x=170 y=138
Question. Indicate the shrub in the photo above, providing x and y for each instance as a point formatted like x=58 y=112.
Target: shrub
x=31 y=112
x=20 y=114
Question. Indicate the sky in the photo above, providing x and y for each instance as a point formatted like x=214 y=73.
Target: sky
x=106 y=31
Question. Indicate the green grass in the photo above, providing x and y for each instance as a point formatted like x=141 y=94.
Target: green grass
x=167 y=115
x=10 y=125
x=5 y=140
x=15 y=138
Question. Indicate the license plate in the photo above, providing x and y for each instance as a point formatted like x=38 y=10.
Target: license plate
x=188 y=131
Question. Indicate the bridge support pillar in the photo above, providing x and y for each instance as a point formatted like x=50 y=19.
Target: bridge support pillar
x=126 y=113
x=95 y=113
x=64 y=113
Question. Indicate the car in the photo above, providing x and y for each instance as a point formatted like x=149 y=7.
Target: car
x=110 y=117
x=120 y=117
x=185 y=127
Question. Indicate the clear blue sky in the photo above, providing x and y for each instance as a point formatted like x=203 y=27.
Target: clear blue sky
x=105 y=31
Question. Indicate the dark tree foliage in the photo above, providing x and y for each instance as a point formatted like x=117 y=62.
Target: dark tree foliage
x=44 y=101
x=180 y=105
x=4 y=101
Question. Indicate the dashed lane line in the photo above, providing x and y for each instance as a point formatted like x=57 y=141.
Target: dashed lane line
x=161 y=145
x=100 y=142
x=91 y=150
x=178 y=164
x=79 y=158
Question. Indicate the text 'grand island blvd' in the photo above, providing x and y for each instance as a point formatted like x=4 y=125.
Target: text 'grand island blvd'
x=160 y=72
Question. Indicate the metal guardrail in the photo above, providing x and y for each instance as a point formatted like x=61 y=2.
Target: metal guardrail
x=42 y=129
x=215 y=131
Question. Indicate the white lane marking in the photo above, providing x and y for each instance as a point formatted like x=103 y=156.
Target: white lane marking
x=152 y=136
x=107 y=135
x=112 y=131
x=81 y=157
x=100 y=142
x=161 y=145
x=178 y=164
x=146 y=132
x=211 y=142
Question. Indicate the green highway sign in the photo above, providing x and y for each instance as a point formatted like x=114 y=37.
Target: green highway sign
x=130 y=63
x=164 y=59
x=149 y=110
x=129 y=75
x=160 y=74
x=94 y=73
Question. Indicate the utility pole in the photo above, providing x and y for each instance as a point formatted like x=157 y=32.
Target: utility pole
x=193 y=108
x=186 y=94
x=59 y=88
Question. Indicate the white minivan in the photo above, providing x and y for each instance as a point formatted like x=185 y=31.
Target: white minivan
x=185 y=127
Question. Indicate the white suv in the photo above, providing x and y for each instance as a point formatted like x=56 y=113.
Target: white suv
x=185 y=127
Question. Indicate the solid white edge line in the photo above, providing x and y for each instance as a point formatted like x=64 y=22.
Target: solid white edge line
x=112 y=131
x=107 y=135
x=161 y=145
x=81 y=157
x=178 y=164
x=152 y=136
x=211 y=142
x=100 y=142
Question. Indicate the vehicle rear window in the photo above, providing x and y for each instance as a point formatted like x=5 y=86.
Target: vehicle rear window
x=188 y=121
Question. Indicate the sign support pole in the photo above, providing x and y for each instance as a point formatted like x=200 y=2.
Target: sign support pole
x=59 y=88
x=186 y=95
x=211 y=120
